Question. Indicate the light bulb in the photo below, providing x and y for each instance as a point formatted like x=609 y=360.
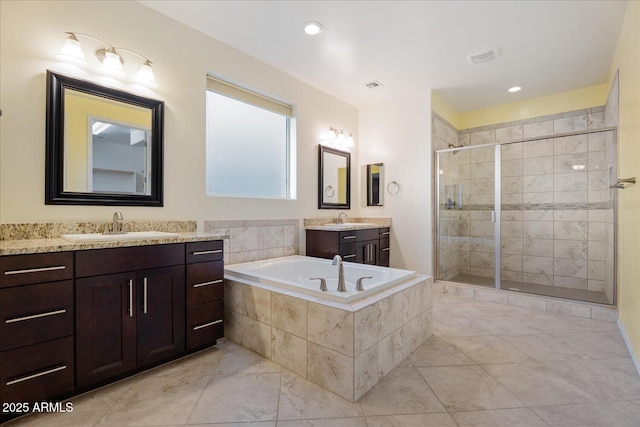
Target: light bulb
x=72 y=51
x=145 y=75
x=111 y=64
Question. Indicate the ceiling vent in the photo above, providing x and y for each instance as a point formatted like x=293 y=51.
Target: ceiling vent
x=374 y=84
x=482 y=57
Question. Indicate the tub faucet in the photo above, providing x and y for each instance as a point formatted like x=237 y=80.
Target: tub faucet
x=118 y=225
x=341 y=218
x=337 y=260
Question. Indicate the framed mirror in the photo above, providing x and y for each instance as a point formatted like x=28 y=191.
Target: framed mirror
x=334 y=179
x=103 y=146
x=375 y=184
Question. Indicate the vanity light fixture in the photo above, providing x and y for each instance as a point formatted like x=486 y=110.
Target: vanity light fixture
x=312 y=28
x=109 y=56
x=340 y=137
x=514 y=89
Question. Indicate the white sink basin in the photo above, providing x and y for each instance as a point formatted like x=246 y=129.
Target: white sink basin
x=133 y=235
x=350 y=224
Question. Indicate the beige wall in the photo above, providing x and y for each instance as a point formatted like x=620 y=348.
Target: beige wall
x=398 y=134
x=32 y=35
x=627 y=61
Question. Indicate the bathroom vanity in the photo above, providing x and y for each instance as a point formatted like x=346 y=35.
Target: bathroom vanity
x=84 y=314
x=357 y=243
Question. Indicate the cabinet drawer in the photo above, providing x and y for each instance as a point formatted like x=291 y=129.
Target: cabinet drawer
x=36 y=268
x=384 y=242
x=37 y=372
x=119 y=260
x=34 y=313
x=204 y=324
x=346 y=236
x=367 y=234
x=348 y=252
x=205 y=282
x=204 y=251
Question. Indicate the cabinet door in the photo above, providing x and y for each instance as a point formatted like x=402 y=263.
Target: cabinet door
x=367 y=252
x=161 y=313
x=105 y=327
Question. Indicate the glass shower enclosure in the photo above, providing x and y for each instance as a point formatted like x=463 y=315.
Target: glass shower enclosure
x=534 y=216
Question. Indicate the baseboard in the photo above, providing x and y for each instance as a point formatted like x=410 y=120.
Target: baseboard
x=625 y=337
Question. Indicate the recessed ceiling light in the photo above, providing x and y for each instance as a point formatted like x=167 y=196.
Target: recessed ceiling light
x=515 y=89
x=312 y=28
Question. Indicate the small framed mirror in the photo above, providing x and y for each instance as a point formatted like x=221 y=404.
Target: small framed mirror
x=334 y=179
x=375 y=184
x=103 y=147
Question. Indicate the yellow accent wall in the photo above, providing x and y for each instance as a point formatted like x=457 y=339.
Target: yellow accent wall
x=78 y=108
x=342 y=185
x=592 y=96
x=627 y=60
x=446 y=111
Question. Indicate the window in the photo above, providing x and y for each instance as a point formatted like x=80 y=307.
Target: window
x=250 y=152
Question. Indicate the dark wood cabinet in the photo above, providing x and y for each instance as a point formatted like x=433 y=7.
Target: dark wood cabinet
x=72 y=320
x=131 y=319
x=364 y=246
x=105 y=327
x=161 y=314
x=205 y=293
x=36 y=327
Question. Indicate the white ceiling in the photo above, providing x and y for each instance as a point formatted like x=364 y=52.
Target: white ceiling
x=412 y=47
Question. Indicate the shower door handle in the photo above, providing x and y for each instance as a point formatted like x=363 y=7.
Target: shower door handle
x=493 y=217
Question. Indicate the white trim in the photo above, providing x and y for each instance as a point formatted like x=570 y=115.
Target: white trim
x=625 y=337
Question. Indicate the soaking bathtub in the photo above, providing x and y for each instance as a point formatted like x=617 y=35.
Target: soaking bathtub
x=294 y=273
x=344 y=342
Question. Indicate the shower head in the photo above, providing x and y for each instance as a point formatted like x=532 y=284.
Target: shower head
x=455 y=146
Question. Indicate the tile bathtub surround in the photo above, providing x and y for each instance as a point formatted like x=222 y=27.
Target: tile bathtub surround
x=50 y=230
x=343 y=348
x=253 y=240
x=557 y=374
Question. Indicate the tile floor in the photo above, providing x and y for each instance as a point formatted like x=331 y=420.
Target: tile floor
x=486 y=365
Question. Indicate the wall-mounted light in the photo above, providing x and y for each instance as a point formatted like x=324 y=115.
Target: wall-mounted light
x=109 y=56
x=340 y=137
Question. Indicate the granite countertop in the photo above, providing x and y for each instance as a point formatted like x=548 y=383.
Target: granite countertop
x=58 y=244
x=329 y=224
x=348 y=227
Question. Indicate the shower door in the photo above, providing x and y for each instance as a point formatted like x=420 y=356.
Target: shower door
x=466 y=215
x=534 y=216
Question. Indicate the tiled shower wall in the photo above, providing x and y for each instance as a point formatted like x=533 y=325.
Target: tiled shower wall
x=557 y=222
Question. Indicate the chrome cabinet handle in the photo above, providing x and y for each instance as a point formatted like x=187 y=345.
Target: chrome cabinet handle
x=217 y=251
x=39 y=374
x=349 y=256
x=385 y=249
x=144 y=288
x=198 y=285
x=35 y=270
x=349 y=237
x=195 y=328
x=35 y=316
x=130 y=298
x=386 y=233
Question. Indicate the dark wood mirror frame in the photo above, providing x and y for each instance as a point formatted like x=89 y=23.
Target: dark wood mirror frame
x=54 y=156
x=321 y=166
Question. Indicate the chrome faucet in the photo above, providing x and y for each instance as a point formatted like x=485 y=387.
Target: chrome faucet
x=341 y=218
x=118 y=226
x=337 y=260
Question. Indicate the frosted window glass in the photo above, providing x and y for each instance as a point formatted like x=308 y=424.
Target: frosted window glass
x=247 y=149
